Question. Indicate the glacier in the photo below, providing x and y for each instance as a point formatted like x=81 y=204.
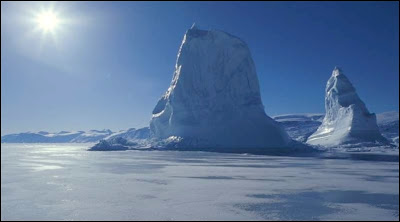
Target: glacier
x=214 y=98
x=347 y=119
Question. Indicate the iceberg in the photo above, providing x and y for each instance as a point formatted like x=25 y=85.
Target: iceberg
x=214 y=98
x=347 y=119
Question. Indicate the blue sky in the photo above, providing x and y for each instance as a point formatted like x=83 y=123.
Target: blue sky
x=109 y=62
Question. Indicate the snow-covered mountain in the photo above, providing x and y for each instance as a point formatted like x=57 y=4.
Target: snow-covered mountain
x=347 y=119
x=214 y=97
x=131 y=134
x=388 y=123
x=91 y=136
x=60 y=137
x=300 y=126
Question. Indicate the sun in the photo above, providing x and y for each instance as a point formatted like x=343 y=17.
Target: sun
x=47 y=21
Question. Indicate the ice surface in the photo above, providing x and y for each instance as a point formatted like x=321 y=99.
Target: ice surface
x=65 y=182
x=347 y=120
x=214 y=98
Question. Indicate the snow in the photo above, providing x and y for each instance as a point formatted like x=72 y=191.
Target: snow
x=214 y=97
x=299 y=117
x=76 y=136
x=300 y=126
x=131 y=134
x=387 y=117
x=389 y=125
x=65 y=182
x=91 y=136
x=347 y=120
x=56 y=137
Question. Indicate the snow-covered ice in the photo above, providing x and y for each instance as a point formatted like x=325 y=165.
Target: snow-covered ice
x=65 y=182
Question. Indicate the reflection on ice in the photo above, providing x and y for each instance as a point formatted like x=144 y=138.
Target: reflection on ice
x=39 y=167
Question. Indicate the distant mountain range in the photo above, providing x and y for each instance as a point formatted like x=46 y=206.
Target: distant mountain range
x=67 y=137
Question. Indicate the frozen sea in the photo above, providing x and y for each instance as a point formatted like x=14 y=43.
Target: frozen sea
x=66 y=182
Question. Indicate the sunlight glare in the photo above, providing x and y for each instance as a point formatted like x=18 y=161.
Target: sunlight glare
x=47 y=21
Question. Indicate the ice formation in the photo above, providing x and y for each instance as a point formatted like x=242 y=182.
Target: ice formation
x=214 y=96
x=347 y=119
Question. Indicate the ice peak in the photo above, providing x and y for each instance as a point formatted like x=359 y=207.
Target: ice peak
x=337 y=71
x=347 y=119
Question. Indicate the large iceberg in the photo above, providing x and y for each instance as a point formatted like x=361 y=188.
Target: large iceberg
x=347 y=119
x=214 y=97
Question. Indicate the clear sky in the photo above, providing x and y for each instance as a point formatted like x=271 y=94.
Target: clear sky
x=106 y=64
